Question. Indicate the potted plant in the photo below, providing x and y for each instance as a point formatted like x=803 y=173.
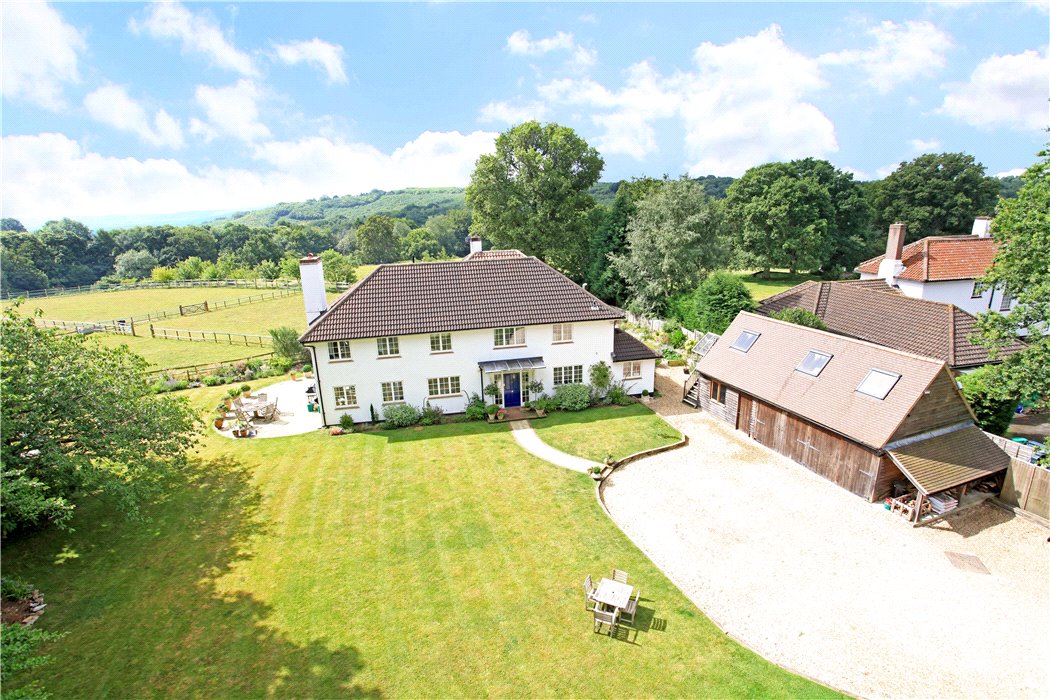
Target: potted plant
x=220 y=414
x=501 y=414
x=240 y=429
x=646 y=398
x=246 y=390
x=308 y=370
x=596 y=473
x=494 y=391
x=490 y=412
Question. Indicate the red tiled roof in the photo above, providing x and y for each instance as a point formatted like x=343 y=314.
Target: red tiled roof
x=880 y=314
x=486 y=290
x=939 y=258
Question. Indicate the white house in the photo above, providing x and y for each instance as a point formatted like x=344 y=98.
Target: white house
x=437 y=332
x=941 y=268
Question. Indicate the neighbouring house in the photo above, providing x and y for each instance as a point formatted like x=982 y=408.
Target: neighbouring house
x=859 y=414
x=437 y=332
x=947 y=269
x=873 y=311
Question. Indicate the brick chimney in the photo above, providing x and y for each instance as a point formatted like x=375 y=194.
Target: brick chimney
x=311 y=276
x=475 y=244
x=891 y=266
x=982 y=227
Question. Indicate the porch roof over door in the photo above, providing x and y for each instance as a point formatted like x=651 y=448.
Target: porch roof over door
x=512 y=365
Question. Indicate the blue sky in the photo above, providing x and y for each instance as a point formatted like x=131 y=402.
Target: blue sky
x=129 y=112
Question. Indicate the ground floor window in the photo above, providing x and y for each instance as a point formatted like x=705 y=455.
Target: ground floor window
x=393 y=391
x=442 y=386
x=632 y=370
x=718 y=392
x=573 y=374
x=345 y=397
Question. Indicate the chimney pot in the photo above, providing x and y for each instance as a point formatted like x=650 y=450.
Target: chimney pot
x=982 y=227
x=475 y=244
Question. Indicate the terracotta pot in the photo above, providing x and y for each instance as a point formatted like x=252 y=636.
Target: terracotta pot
x=219 y=423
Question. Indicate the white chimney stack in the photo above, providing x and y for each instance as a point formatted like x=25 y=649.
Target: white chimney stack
x=311 y=276
x=982 y=226
x=475 y=244
x=892 y=265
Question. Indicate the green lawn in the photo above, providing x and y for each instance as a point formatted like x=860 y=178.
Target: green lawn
x=103 y=306
x=777 y=282
x=443 y=561
x=163 y=354
x=256 y=318
x=611 y=430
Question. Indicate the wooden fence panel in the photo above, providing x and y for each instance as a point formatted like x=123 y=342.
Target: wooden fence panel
x=1027 y=486
x=204 y=336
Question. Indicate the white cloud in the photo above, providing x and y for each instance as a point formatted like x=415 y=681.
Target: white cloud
x=328 y=57
x=1016 y=172
x=199 y=33
x=1009 y=91
x=232 y=111
x=589 y=18
x=112 y=105
x=900 y=52
x=521 y=42
x=95 y=185
x=39 y=54
x=926 y=145
x=583 y=58
x=507 y=113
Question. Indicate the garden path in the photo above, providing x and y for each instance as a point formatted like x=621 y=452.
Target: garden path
x=531 y=442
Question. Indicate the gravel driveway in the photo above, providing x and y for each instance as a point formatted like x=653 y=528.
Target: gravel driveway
x=817 y=580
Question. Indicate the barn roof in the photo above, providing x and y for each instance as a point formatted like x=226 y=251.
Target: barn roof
x=769 y=372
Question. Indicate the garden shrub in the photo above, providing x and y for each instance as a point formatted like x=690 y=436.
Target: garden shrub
x=346 y=422
x=601 y=379
x=255 y=364
x=676 y=337
x=17 y=648
x=14 y=589
x=800 y=317
x=475 y=412
x=491 y=409
x=431 y=415
x=993 y=414
x=212 y=381
x=544 y=403
x=400 y=416
x=572 y=397
x=719 y=298
x=281 y=364
x=308 y=367
x=618 y=395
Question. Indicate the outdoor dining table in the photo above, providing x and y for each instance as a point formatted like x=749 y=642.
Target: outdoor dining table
x=613 y=593
x=252 y=406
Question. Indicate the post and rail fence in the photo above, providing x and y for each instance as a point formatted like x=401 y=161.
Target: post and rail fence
x=247 y=339
x=191 y=372
x=173 y=284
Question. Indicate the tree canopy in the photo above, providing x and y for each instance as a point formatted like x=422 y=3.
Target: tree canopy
x=673 y=241
x=935 y=194
x=718 y=299
x=532 y=193
x=1022 y=229
x=79 y=419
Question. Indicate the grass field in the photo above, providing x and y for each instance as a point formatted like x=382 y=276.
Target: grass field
x=163 y=354
x=251 y=318
x=104 y=306
x=777 y=282
x=600 y=432
x=436 y=562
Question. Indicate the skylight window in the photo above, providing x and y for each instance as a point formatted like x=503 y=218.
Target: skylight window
x=878 y=383
x=745 y=340
x=814 y=363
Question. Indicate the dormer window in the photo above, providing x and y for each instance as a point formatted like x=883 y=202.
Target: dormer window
x=745 y=340
x=878 y=383
x=814 y=363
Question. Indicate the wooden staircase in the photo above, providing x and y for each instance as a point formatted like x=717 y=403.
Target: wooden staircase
x=691 y=393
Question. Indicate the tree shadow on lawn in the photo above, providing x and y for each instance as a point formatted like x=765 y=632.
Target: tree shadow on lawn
x=148 y=612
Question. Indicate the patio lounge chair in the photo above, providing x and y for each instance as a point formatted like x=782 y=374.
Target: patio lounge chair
x=632 y=607
x=620 y=576
x=604 y=618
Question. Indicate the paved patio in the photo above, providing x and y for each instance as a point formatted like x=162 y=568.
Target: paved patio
x=291 y=402
x=823 y=583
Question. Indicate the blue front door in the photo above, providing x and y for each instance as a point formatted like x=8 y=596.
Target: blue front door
x=511 y=390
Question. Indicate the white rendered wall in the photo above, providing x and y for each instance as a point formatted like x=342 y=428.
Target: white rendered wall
x=592 y=342
x=635 y=387
x=957 y=292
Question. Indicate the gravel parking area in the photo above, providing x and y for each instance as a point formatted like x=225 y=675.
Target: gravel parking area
x=817 y=580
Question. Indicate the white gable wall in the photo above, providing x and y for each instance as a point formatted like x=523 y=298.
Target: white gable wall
x=957 y=292
x=366 y=371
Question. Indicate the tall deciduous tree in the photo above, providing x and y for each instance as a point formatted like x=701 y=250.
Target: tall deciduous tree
x=79 y=419
x=134 y=264
x=609 y=238
x=935 y=194
x=673 y=241
x=780 y=216
x=532 y=193
x=379 y=239
x=1022 y=229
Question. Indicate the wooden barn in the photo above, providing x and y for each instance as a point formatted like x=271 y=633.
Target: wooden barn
x=859 y=414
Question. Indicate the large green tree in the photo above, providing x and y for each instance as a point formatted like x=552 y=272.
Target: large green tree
x=718 y=299
x=532 y=193
x=673 y=241
x=78 y=420
x=777 y=218
x=1022 y=229
x=609 y=239
x=935 y=194
x=134 y=264
x=379 y=239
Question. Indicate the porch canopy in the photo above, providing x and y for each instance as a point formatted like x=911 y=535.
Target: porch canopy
x=514 y=365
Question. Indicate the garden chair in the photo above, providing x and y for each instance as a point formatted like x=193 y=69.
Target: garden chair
x=588 y=594
x=261 y=397
x=632 y=607
x=602 y=617
x=619 y=576
x=270 y=412
x=243 y=416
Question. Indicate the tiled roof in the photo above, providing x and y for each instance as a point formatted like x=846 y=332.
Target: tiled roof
x=767 y=372
x=938 y=258
x=879 y=314
x=948 y=460
x=627 y=347
x=487 y=290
